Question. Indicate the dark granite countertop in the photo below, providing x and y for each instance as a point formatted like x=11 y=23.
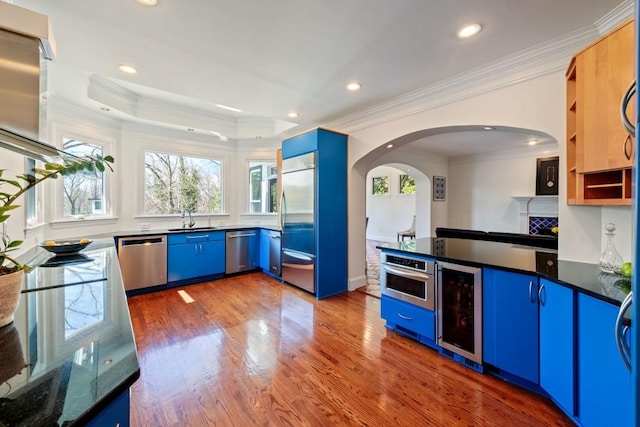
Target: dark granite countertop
x=160 y=231
x=583 y=277
x=70 y=350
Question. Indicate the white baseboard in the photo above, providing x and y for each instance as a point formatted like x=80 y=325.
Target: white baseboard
x=357 y=282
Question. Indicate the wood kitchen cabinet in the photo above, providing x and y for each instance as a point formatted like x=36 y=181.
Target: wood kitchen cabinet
x=510 y=323
x=599 y=149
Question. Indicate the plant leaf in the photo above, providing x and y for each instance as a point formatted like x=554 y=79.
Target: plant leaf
x=14 y=244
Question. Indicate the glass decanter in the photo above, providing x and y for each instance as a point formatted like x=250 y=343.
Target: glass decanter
x=610 y=260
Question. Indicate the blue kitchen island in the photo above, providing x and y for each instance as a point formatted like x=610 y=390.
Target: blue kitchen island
x=69 y=358
x=548 y=325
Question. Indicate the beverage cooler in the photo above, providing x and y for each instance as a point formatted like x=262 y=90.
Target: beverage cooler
x=459 y=332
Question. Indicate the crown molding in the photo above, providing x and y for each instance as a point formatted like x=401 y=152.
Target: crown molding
x=621 y=13
x=537 y=61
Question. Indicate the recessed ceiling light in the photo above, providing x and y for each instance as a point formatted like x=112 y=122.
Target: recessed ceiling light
x=389 y=145
x=129 y=69
x=469 y=30
x=258 y=137
x=293 y=114
x=487 y=128
x=532 y=142
x=148 y=2
x=190 y=129
x=105 y=108
x=353 y=86
x=226 y=107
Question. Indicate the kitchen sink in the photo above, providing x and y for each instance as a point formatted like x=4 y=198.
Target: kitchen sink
x=192 y=229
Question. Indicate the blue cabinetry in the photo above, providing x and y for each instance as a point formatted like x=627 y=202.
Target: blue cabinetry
x=557 y=344
x=604 y=383
x=408 y=319
x=115 y=414
x=329 y=224
x=510 y=323
x=195 y=255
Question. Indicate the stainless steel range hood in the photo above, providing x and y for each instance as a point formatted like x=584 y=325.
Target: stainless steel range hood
x=23 y=36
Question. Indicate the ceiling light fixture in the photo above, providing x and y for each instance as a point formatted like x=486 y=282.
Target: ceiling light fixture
x=293 y=114
x=469 y=30
x=105 y=108
x=226 y=107
x=190 y=129
x=353 y=86
x=129 y=69
x=533 y=142
x=148 y=2
x=389 y=145
x=487 y=128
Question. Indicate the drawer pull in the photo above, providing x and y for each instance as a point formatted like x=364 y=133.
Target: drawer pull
x=404 y=317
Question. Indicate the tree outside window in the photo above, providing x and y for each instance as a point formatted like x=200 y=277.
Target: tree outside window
x=407 y=184
x=263 y=184
x=83 y=191
x=380 y=185
x=174 y=182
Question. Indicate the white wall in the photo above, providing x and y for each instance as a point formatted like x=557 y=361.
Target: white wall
x=537 y=103
x=389 y=213
x=481 y=188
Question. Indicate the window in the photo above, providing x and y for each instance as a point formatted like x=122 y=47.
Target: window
x=263 y=187
x=380 y=186
x=84 y=192
x=407 y=184
x=31 y=196
x=174 y=182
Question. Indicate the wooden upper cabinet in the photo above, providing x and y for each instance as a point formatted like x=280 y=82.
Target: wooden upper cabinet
x=604 y=72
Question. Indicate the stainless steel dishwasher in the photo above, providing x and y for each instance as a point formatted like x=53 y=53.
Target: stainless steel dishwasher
x=241 y=251
x=143 y=261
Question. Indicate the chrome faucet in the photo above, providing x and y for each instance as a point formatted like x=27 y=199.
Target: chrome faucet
x=191 y=221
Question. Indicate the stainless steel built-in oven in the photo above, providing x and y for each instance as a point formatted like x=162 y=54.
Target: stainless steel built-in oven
x=459 y=315
x=408 y=279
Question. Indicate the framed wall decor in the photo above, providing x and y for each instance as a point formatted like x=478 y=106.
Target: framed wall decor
x=439 y=188
x=547 y=176
x=380 y=186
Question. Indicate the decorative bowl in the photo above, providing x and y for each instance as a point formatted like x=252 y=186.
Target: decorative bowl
x=65 y=247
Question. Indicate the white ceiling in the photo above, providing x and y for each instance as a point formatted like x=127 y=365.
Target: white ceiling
x=272 y=57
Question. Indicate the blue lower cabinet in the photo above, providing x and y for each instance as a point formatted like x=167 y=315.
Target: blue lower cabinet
x=510 y=324
x=193 y=255
x=115 y=414
x=557 y=344
x=264 y=249
x=604 y=383
x=408 y=319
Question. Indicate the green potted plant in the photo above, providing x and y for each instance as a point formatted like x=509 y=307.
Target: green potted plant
x=11 y=271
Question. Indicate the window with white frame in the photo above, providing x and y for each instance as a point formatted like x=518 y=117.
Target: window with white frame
x=84 y=191
x=31 y=203
x=263 y=186
x=175 y=182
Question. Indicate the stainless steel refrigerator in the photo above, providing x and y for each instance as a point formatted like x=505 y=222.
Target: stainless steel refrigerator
x=298 y=209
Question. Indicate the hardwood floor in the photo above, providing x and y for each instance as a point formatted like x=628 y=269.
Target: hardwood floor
x=252 y=351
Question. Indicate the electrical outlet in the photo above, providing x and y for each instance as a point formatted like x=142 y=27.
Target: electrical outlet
x=145 y=226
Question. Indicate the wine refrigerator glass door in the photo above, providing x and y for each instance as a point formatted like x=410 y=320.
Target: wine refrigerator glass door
x=460 y=310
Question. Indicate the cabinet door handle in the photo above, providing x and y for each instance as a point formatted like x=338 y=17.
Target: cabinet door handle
x=624 y=147
x=630 y=127
x=540 y=289
x=531 y=291
x=404 y=317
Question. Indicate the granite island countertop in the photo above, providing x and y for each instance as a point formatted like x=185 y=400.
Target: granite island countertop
x=583 y=277
x=70 y=350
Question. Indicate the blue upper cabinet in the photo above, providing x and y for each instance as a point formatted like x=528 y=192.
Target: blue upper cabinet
x=330 y=216
x=604 y=381
x=510 y=326
x=557 y=347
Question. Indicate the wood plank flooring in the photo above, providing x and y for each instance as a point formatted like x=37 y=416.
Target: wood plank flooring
x=252 y=351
